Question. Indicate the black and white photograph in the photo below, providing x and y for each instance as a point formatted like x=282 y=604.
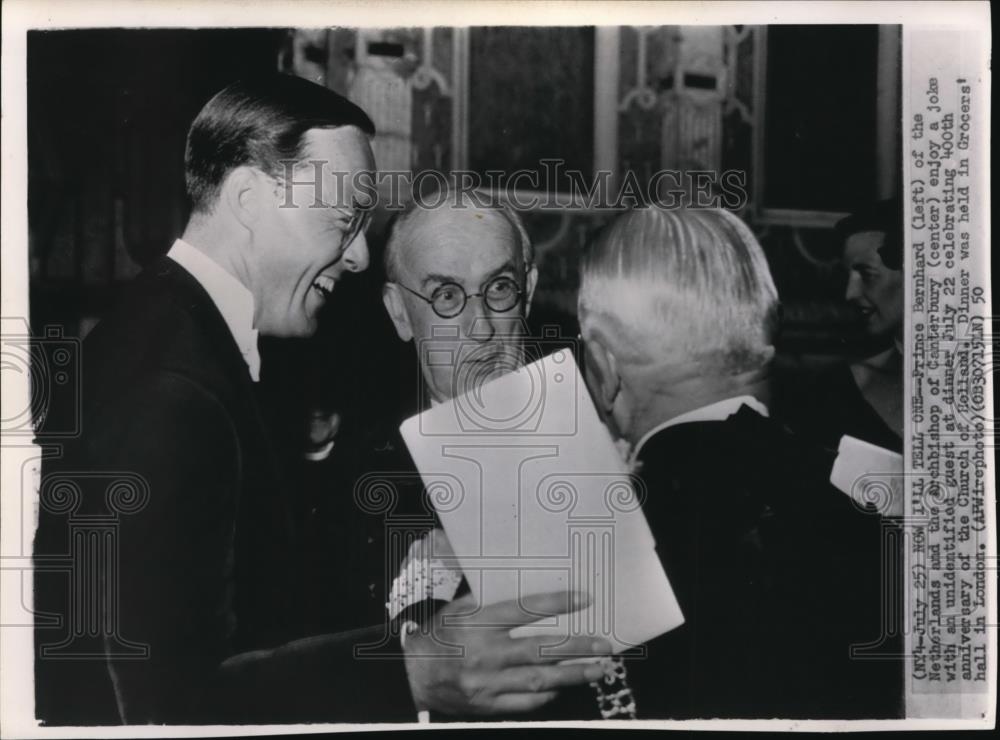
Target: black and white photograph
x=446 y=365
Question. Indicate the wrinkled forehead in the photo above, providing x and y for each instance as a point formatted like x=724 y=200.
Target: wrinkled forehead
x=464 y=243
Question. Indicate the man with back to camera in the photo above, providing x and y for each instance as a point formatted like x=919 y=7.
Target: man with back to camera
x=169 y=397
x=775 y=571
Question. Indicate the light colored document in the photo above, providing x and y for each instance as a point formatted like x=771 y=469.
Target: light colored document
x=534 y=497
x=869 y=474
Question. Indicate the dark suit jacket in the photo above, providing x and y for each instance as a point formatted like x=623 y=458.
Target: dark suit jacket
x=825 y=405
x=202 y=564
x=777 y=573
x=352 y=539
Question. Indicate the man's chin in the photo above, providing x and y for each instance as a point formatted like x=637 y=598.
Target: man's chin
x=471 y=374
x=496 y=370
x=880 y=335
x=300 y=327
x=875 y=327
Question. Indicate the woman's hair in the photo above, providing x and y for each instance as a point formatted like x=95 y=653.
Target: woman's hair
x=690 y=284
x=259 y=122
x=886 y=217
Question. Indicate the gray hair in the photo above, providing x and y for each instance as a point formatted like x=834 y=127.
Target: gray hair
x=690 y=284
x=402 y=222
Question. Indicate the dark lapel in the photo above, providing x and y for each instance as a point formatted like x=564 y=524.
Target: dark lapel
x=264 y=528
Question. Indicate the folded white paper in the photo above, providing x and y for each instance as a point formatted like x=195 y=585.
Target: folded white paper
x=869 y=474
x=534 y=497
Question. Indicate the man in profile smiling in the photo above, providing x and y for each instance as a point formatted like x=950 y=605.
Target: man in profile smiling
x=203 y=556
x=169 y=395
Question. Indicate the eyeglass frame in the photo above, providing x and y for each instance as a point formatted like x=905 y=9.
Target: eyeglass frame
x=481 y=294
x=358 y=218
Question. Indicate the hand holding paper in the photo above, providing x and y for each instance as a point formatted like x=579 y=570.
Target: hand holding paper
x=467 y=661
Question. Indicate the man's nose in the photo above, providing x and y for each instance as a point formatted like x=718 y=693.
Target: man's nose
x=853 y=291
x=356 y=255
x=481 y=320
x=486 y=324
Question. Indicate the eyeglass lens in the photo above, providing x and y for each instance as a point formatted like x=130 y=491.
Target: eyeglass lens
x=500 y=294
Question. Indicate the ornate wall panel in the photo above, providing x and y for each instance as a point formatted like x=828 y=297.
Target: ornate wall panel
x=640 y=109
x=692 y=103
x=531 y=98
x=629 y=99
x=384 y=65
x=404 y=78
x=433 y=87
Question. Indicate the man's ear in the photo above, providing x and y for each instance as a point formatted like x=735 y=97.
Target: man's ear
x=605 y=373
x=392 y=299
x=242 y=194
x=529 y=284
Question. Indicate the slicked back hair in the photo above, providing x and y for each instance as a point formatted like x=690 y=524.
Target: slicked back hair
x=681 y=285
x=259 y=122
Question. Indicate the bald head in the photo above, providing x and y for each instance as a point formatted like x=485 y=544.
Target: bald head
x=448 y=228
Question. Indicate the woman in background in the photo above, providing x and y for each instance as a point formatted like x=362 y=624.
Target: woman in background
x=863 y=398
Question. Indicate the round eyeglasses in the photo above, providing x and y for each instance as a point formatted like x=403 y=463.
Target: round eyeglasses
x=448 y=300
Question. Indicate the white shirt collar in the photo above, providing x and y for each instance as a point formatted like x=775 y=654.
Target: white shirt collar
x=718 y=411
x=230 y=296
